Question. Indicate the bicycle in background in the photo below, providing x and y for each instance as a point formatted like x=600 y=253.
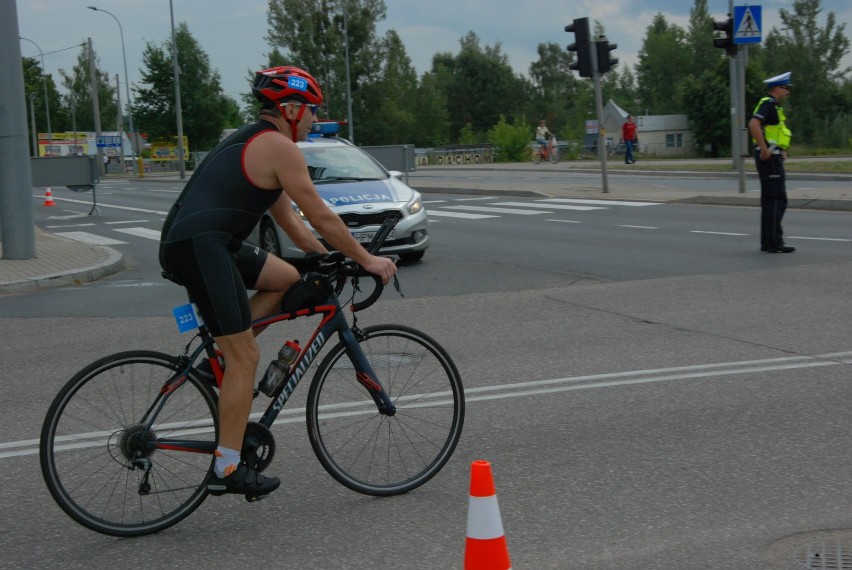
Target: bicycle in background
x=550 y=152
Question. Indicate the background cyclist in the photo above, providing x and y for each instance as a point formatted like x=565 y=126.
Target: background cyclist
x=258 y=167
x=542 y=134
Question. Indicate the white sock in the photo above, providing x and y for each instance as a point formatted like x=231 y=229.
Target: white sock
x=227 y=461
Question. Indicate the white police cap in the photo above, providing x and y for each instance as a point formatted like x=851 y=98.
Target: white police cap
x=783 y=79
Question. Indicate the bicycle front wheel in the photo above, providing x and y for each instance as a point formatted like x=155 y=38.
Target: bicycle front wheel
x=553 y=155
x=536 y=155
x=101 y=462
x=378 y=454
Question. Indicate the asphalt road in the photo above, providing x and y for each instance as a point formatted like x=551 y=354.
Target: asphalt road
x=692 y=415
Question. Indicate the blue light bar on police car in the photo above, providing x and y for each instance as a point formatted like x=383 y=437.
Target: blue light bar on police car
x=326 y=128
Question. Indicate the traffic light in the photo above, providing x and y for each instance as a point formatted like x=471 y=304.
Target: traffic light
x=725 y=42
x=605 y=62
x=581 y=45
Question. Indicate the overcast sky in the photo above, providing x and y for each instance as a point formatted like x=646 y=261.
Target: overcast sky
x=232 y=32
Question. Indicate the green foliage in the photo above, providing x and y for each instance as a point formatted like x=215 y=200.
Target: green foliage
x=467 y=136
x=205 y=109
x=78 y=84
x=511 y=141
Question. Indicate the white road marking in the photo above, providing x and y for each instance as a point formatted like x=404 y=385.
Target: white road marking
x=70 y=226
x=598 y=202
x=499 y=210
x=92 y=239
x=141 y=232
x=459 y=215
x=639 y=227
x=126 y=222
x=565 y=221
x=548 y=205
x=498 y=392
x=717 y=233
x=819 y=239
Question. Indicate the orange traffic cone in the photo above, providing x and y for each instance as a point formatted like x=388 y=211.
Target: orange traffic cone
x=48 y=198
x=485 y=547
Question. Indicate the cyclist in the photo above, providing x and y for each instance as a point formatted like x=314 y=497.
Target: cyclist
x=542 y=134
x=257 y=168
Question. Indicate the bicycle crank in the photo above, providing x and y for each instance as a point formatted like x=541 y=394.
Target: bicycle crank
x=258 y=447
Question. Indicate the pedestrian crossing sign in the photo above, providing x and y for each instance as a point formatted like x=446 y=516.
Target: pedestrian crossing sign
x=747 y=22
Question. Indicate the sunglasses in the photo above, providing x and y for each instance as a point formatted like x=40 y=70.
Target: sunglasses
x=314 y=109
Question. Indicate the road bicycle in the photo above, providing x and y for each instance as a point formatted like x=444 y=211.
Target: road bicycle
x=127 y=445
x=550 y=152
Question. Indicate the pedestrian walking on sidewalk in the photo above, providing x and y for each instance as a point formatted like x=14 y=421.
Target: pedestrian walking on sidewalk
x=771 y=137
x=629 y=138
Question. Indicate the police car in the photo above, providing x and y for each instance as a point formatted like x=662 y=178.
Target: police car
x=362 y=192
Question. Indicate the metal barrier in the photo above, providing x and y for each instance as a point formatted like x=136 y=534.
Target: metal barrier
x=79 y=173
x=399 y=157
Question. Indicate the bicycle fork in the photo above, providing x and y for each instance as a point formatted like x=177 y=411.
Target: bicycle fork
x=365 y=375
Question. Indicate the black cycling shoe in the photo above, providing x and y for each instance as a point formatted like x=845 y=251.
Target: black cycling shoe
x=243 y=481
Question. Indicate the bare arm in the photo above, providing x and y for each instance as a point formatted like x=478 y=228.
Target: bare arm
x=291 y=223
x=273 y=160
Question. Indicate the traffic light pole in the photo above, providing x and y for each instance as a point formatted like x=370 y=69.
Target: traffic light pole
x=601 y=131
x=742 y=138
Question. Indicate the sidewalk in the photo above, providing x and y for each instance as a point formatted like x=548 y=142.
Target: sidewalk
x=62 y=262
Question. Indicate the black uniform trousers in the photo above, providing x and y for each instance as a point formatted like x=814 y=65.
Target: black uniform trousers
x=773 y=200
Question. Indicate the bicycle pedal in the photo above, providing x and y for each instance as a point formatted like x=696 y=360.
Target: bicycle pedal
x=255 y=498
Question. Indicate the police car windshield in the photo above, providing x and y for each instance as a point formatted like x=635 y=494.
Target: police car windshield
x=329 y=164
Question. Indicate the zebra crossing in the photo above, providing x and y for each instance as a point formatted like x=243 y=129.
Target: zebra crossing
x=495 y=207
x=118 y=232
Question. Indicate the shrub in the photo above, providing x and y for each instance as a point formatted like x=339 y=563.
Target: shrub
x=511 y=142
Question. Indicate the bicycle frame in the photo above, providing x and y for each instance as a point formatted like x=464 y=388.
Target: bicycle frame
x=333 y=321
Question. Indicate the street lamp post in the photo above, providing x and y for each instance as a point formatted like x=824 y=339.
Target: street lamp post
x=46 y=102
x=127 y=86
x=178 y=112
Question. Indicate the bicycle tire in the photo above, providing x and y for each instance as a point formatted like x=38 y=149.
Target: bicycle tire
x=383 y=455
x=536 y=155
x=92 y=429
x=553 y=155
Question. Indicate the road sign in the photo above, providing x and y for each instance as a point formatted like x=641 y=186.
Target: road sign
x=747 y=22
x=109 y=141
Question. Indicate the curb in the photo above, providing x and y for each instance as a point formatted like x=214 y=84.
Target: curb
x=113 y=264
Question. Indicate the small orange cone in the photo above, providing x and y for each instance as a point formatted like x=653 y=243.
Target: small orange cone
x=485 y=547
x=48 y=198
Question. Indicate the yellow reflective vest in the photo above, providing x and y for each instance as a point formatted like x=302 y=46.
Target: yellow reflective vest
x=778 y=135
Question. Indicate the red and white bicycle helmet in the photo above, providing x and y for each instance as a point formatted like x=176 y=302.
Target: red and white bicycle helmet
x=287 y=83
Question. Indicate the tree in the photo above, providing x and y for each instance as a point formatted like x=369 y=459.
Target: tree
x=480 y=86
x=814 y=55
x=389 y=102
x=663 y=63
x=432 y=121
x=35 y=81
x=78 y=83
x=311 y=35
x=205 y=108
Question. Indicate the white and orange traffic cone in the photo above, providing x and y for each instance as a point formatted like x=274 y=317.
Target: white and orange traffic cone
x=48 y=198
x=485 y=547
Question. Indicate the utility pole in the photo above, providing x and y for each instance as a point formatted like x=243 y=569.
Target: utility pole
x=96 y=106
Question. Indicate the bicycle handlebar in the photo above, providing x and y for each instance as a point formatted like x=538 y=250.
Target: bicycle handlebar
x=338 y=268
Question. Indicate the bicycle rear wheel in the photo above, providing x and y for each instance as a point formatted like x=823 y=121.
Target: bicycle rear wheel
x=384 y=455
x=536 y=155
x=95 y=451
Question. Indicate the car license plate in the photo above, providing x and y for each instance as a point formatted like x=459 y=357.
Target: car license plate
x=367 y=237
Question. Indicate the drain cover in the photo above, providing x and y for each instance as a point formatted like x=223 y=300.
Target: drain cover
x=829 y=554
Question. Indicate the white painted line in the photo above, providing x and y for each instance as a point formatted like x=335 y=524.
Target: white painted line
x=70 y=226
x=598 y=202
x=474 y=199
x=93 y=239
x=551 y=206
x=818 y=239
x=101 y=205
x=499 y=210
x=639 y=227
x=141 y=232
x=565 y=221
x=433 y=201
x=459 y=215
x=126 y=222
x=496 y=392
x=717 y=233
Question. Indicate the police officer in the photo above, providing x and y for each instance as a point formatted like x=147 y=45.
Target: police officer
x=771 y=136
